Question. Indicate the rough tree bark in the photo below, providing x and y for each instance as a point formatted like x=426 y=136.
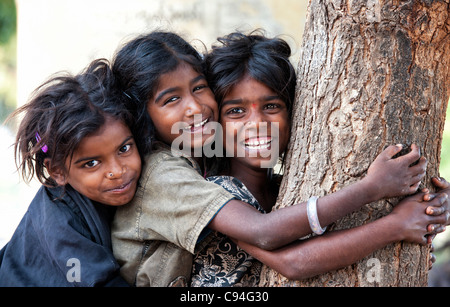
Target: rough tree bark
x=371 y=73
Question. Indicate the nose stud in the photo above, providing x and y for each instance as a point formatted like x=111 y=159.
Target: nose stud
x=110 y=174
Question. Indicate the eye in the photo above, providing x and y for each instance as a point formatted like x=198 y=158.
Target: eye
x=91 y=164
x=274 y=106
x=171 y=99
x=235 y=111
x=125 y=148
x=200 y=87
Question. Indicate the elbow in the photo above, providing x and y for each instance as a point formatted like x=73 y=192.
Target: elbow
x=294 y=267
x=266 y=244
x=265 y=238
x=267 y=241
x=298 y=274
x=292 y=272
x=291 y=275
x=299 y=271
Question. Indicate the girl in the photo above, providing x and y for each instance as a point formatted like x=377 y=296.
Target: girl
x=76 y=139
x=253 y=80
x=175 y=208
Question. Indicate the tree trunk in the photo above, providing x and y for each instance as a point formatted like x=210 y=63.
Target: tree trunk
x=371 y=73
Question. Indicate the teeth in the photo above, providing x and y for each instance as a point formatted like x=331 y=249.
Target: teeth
x=266 y=146
x=201 y=124
x=196 y=125
x=256 y=143
x=262 y=144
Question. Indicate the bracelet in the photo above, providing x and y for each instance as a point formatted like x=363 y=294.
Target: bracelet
x=311 y=211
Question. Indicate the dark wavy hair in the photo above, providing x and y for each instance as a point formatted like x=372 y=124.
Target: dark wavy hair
x=264 y=59
x=138 y=65
x=62 y=112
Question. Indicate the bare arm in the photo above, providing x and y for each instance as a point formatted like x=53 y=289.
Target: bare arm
x=386 y=177
x=318 y=255
x=280 y=227
x=338 y=249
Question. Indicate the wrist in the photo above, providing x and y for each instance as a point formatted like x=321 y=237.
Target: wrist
x=370 y=189
x=395 y=227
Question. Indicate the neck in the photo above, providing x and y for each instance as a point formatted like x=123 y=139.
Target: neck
x=258 y=183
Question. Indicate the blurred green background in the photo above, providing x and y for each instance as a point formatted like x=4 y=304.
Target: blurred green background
x=8 y=48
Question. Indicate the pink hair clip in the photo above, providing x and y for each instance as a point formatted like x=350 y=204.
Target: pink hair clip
x=38 y=139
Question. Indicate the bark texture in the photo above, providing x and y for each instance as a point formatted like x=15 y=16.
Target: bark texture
x=371 y=73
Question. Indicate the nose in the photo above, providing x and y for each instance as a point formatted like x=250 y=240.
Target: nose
x=255 y=118
x=115 y=170
x=192 y=107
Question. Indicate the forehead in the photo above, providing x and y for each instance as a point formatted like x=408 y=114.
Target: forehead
x=249 y=88
x=108 y=136
x=183 y=72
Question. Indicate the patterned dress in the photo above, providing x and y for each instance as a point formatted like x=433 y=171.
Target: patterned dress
x=222 y=263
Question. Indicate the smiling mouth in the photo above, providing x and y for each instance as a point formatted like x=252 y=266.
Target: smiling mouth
x=195 y=127
x=122 y=188
x=258 y=143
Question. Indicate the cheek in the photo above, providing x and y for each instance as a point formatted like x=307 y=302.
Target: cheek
x=230 y=131
x=211 y=103
x=86 y=184
x=158 y=118
x=225 y=140
x=230 y=146
x=163 y=126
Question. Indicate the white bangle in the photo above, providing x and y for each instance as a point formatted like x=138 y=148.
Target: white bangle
x=311 y=211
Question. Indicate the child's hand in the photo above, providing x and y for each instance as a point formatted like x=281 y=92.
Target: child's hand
x=396 y=177
x=435 y=211
x=444 y=187
x=442 y=210
x=432 y=259
x=413 y=221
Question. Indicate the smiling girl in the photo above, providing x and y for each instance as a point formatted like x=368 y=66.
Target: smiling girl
x=75 y=138
x=253 y=82
x=175 y=209
x=155 y=236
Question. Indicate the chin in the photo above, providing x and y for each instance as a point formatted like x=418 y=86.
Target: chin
x=118 y=201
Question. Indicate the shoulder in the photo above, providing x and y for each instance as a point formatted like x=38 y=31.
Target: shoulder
x=51 y=205
x=62 y=211
x=236 y=188
x=163 y=161
x=229 y=183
